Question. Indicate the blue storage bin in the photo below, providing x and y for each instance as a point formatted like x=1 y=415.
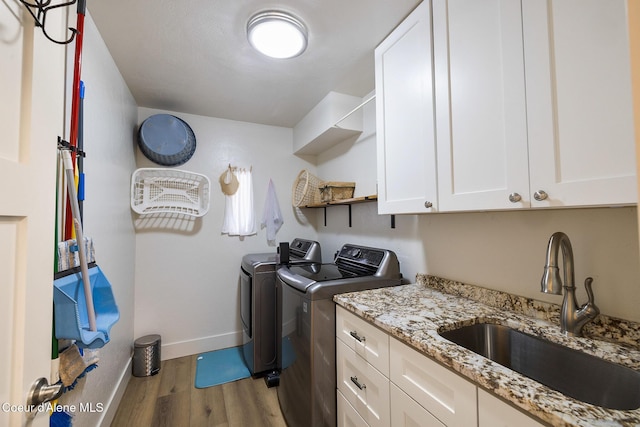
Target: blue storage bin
x=70 y=309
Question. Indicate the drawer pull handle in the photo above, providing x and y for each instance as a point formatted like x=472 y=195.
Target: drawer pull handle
x=356 y=336
x=357 y=383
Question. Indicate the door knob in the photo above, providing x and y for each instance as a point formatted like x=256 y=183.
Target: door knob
x=540 y=195
x=41 y=392
x=514 y=197
x=428 y=204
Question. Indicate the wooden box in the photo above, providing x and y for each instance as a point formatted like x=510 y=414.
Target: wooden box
x=332 y=190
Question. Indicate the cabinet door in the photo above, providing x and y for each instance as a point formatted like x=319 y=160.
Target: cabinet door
x=581 y=132
x=405 y=117
x=405 y=412
x=481 y=123
x=347 y=416
x=492 y=412
x=445 y=394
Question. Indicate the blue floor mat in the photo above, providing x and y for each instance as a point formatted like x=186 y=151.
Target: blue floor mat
x=219 y=367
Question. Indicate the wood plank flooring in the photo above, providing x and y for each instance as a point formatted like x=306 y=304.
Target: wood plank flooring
x=170 y=399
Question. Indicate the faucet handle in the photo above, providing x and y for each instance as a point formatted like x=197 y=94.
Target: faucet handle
x=589 y=308
x=587 y=285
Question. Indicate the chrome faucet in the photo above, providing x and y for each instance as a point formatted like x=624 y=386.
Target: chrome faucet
x=572 y=317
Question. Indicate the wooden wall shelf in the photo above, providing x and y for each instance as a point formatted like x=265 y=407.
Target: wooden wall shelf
x=348 y=202
x=352 y=201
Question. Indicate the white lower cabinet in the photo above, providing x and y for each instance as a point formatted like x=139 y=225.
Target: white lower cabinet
x=408 y=389
x=493 y=412
x=364 y=387
x=445 y=394
x=347 y=415
x=406 y=412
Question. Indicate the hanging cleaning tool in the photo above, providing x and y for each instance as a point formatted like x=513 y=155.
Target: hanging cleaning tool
x=74 y=365
x=75 y=101
x=83 y=301
x=80 y=167
x=75 y=211
x=70 y=309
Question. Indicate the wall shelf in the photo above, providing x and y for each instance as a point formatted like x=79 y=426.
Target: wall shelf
x=351 y=201
x=327 y=124
x=347 y=202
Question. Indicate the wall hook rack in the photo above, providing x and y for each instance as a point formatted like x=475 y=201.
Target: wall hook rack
x=39 y=9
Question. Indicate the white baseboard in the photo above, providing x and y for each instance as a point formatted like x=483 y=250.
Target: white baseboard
x=112 y=404
x=200 y=345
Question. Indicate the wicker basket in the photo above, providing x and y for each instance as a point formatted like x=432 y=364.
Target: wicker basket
x=332 y=191
x=306 y=189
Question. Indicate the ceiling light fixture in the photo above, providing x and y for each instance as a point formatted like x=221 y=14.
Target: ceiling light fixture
x=277 y=34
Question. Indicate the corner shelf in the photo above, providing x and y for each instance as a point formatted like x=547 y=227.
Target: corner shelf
x=347 y=202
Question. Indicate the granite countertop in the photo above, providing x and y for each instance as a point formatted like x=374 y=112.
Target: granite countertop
x=415 y=313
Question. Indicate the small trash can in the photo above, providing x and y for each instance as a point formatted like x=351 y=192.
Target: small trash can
x=146 y=356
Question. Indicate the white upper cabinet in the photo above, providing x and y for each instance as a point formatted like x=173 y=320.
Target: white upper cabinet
x=405 y=117
x=481 y=123
x=526 y=103
x=579 y=105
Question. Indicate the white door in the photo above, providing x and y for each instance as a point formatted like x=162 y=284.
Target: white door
x=405 y=118
x=579 y=102
x=481 y=122
x=31 y=118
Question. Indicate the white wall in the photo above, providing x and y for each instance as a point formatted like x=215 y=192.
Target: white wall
x=498 y=250
x=186 y=270
x=110 y=115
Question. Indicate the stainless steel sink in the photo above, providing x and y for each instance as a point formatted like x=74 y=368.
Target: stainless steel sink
x=573 y=373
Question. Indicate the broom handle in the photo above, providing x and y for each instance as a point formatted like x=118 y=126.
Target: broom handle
x=73 y=198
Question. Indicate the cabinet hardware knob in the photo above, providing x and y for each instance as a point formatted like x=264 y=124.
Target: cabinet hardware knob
x=355 y=335
x=428 y=204
x=514 y=197
x=357 y=383
x=540 y=195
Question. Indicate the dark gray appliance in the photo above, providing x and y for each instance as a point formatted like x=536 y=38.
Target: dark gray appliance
x=307 y=356
x=258 y=303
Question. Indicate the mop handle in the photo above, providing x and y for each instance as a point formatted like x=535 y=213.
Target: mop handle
x=73 y=199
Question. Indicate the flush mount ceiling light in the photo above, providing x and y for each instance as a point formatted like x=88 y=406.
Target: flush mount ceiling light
x=277 y=34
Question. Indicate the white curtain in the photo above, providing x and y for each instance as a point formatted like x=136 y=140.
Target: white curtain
x=239 y=218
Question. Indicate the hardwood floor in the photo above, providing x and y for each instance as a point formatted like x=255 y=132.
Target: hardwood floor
x=170 y=399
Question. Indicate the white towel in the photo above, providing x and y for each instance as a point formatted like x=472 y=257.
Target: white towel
x=239 y=217
x=272 y=216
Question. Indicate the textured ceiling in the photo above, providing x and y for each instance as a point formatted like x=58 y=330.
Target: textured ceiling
x=192 y=56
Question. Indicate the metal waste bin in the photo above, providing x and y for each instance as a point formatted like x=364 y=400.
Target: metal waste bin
x=146 y=356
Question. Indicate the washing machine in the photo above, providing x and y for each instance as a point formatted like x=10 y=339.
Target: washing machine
x=307 y=354
x=258 y=302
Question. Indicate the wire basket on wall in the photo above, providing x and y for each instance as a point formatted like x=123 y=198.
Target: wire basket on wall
x=306 y=189
x=157 y=190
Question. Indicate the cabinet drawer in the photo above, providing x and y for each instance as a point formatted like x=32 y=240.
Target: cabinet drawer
x=369 y=342
x=364 y=387
x=446 y=395
x=347 y=416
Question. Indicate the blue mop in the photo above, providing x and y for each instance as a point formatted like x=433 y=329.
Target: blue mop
x=73 y=367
